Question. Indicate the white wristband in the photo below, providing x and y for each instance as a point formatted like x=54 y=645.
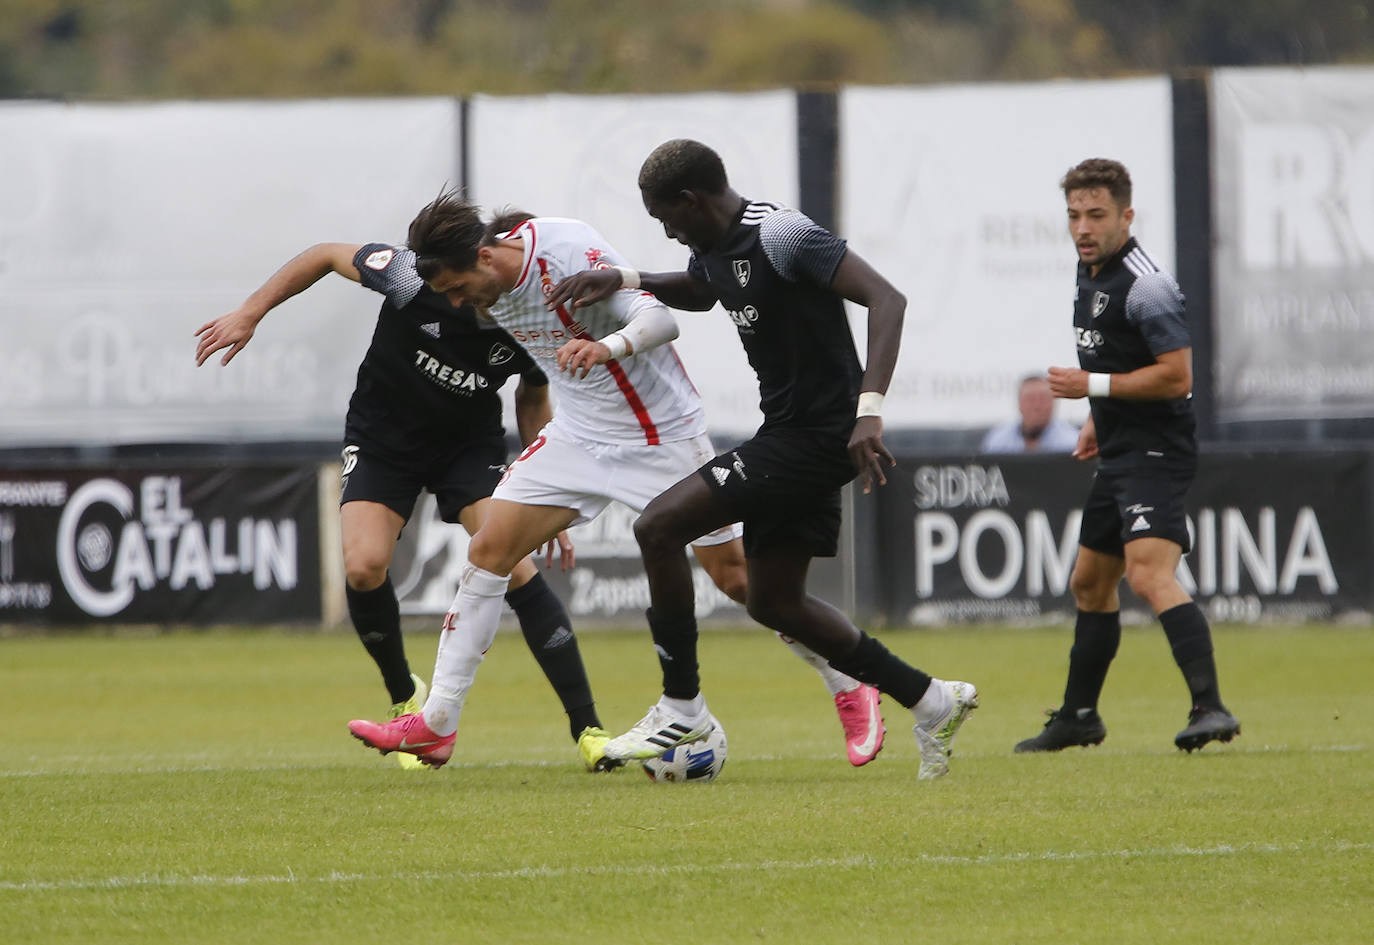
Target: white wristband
x=1099 y=385
x=629 y=278
x=870 y=404
x=617 y=343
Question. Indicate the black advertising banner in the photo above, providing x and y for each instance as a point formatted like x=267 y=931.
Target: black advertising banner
x=608 y=584
x=1277 y=536
x=159 y=545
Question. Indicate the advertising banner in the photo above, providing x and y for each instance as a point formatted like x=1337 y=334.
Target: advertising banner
x=1294 y=237
x=608 y=582
x=126 y=227
x=952 y=192
x=159 y=546
x=579 y=156
x=1275 y=537
x=607 y=585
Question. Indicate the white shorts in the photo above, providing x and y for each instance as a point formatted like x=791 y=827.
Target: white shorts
x=585 y=477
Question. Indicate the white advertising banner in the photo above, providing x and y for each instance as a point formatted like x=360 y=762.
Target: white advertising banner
x=579 y=156
x=1294 y=233
x=952 y=192
x=126 y=227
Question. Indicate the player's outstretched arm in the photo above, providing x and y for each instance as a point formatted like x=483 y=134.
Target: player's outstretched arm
x=533 y=410
x=859 y=282
x=676 y=289
x=235 y=330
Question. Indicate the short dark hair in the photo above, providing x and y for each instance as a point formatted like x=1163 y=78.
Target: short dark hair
x=446 y=234
x=1100 y=172
x=505 y=220
x=682 y=164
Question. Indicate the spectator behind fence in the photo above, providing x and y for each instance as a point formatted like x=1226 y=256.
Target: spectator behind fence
x=1037 y=429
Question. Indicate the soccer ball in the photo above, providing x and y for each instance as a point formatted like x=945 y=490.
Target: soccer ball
x=696 y=762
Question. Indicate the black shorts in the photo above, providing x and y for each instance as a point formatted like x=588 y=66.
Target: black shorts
x=457 y=476
x=1136 y=503
x=784 y=485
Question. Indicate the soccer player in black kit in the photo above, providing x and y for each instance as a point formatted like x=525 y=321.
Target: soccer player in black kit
x=426 y=413
x=1136 y=370
x=783 y=280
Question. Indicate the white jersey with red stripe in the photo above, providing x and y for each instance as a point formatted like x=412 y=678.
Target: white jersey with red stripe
x=647 y=398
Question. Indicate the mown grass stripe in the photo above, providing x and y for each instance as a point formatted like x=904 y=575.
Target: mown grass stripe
x=762 y=866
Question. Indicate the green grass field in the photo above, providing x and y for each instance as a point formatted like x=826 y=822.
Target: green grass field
x=201 y=787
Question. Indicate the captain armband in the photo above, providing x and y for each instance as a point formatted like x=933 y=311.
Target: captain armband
x=1099 y=385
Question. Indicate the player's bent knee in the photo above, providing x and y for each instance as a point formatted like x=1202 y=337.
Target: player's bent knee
x=493 y=555
x=1090 y=590
x=774 y=613
x=732 y=582
x=653 y=533
x=365 y=573
x=1150 y=583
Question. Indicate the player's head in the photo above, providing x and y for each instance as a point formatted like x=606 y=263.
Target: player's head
x=506 y=219
x=1035 y=400
x=1098 y=195
x=678 y=182
x=452 y=251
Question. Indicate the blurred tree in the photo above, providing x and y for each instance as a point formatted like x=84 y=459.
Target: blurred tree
x=214 y=48
x=1167 y=34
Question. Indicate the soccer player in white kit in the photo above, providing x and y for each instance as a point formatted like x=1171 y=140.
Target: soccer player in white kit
x=628 y=424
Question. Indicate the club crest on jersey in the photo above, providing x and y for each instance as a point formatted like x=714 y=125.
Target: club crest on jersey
x=499 y=354
x=379 y=260
x=1100 y=300
x=742 y=272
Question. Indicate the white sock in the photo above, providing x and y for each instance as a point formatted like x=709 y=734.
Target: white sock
x=836 y=681
x=469 y=628
x=935 y=704
x=692 y=708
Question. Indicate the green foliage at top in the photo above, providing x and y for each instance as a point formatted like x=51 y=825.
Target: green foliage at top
x=265 y=48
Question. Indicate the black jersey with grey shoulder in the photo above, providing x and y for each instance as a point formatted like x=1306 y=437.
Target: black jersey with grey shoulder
x=1124 y=317
x=772 y=274
x=431 y=377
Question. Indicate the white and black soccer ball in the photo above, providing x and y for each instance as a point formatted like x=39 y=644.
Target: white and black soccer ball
x=693 y=763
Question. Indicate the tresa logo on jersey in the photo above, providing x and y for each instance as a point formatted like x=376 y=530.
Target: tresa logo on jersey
x=1089 y=339
x=744 y=320
x=448 y=376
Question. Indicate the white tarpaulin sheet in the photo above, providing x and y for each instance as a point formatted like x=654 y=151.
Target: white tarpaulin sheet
x=1294 y=226
x=126 y=227
x=952 y=192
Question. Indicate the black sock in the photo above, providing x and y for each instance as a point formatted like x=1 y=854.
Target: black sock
x=548 y=633
x=376 y=617
x=1096 y=638
x=675 y=639
x=873 y=663
x=1191 y=640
